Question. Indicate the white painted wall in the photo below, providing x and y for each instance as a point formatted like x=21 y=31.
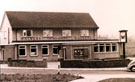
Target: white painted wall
x=6 y=31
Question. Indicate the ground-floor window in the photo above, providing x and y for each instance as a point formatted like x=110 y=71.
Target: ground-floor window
x=95 y=47
x=45 y=50
x=55 y=50
x=102 y=48
x=22 y=50
x=105 y=47
x=108 y=47
x=81 y=53
x=34 y=50
x=114 y=47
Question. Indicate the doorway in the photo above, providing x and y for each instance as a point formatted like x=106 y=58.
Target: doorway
x=64 y=53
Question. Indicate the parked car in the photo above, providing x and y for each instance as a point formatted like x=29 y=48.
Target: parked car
x=131 y=65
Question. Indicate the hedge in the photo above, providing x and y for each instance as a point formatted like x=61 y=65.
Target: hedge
x=107 y=63
x=27 y=63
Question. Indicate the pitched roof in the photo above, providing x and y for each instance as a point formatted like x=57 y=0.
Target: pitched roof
x=21 y=19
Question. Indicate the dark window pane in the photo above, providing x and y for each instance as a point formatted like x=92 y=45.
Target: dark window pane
x=22 y=47
x=28 y=32
x=33 y=50
x=95 y=48
x=24 y=34
x=22 y=52
x=114 y=47
x=101 y=48
x=44 y=51
x=55 y=50
x=108 y=48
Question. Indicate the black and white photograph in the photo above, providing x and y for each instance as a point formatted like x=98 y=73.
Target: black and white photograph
x=67 y=41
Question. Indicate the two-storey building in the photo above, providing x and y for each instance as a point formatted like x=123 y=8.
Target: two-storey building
x=49 y=35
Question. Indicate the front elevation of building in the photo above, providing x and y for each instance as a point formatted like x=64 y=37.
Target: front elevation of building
x=49 y=35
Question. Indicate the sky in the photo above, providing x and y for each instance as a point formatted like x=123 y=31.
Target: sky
x=110 y=15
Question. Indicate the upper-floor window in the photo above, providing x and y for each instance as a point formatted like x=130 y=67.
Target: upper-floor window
x=84 y=32
x=66 y=32
x=27 y=33
x=47 y=33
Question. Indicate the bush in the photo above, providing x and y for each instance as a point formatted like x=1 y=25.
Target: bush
x=38 y=77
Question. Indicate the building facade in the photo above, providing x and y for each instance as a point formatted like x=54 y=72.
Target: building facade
x=53 y=35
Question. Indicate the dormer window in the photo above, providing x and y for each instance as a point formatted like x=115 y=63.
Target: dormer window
x=47 y=33
x=66 y=32
x=27 y=33
x=84 y=32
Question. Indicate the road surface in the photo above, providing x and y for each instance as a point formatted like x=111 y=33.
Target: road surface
x=90 y=74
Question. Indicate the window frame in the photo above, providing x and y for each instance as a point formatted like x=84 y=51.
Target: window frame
x=36 y=50
x=53 y=48
x=47 y=46
x=108 y=45
x=65 y=35
x=25 y=34
x=115 y=46
x=96 y=45
x=25 y=47
x=48 y=31
x=102 y=45
x=105 y=45
x=83 y=35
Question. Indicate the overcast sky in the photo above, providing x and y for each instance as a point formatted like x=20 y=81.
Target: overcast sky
x=110 y=15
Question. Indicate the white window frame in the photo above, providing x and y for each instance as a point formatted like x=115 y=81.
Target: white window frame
x=84 y=32
x=21 y=48
x=36 y=50
x=25 y=31
x=48 y=31
x=55 y=47
x=47 y=46
x=97 y=45
x=116 y=47
x=110 y=45
x=66 y=34
x=105 y=44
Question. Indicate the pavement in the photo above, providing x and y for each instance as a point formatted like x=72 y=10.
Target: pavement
x=89 y=74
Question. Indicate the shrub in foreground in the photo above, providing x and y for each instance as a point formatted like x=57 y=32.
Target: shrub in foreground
x=38 y=77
